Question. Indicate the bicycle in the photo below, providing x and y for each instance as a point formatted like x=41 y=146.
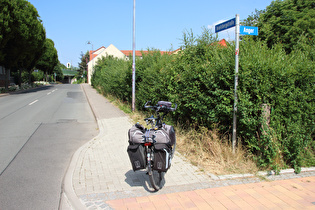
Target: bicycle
x=153 y=148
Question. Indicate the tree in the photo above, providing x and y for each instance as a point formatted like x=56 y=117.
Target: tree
x=22 y=34
x=83 y=64
x=252 y=19
x=285 y=21
x=49 y=58
x=58 y=71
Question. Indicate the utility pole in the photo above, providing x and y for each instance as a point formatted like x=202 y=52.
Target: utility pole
x=237 y=40
x=134 y=58
x=89 y=78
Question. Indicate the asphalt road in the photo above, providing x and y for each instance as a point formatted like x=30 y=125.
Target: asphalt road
x=39 y=132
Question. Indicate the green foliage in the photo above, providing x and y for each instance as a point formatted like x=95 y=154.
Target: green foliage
x=200 y=79
x=253 y=19
x=111 y=76
x=58 y=71
x=83 y=63
x=201 y=82
x=49 y=59
x=38 y=75
x=286 y=83
x=20 y=29
x=284 y=22
x=150 y=77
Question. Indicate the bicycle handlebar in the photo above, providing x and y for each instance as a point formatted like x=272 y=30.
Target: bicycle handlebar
x=161 y=106
x=151 y=118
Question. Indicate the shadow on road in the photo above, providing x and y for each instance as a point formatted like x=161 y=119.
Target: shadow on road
x=32 y=90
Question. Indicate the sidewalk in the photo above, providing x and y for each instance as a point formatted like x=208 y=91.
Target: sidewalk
x=100 y=176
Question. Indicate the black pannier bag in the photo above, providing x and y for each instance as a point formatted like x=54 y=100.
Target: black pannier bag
x=136 y=156
x=162 y=157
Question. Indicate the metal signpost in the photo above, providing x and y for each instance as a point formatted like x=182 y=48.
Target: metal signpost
x=244 y=30
x=134 y=58
x=237 y=40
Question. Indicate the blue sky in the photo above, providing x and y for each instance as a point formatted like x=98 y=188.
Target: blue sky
x=159 y=24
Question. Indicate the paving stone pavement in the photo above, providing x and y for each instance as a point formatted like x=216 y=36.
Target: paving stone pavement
x=102 y=176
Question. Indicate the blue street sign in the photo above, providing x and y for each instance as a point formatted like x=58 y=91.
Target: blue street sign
x=225 y=25
x=249 y=30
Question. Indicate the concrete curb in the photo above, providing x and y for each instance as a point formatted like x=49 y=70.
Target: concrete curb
x=69 y=199
x=260 y=173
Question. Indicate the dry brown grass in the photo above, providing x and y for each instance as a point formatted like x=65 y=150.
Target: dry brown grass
x=212 y=153
x=205 y=148
x=208 y=151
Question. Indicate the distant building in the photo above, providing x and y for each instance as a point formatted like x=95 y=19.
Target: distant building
x=96 y=55
x=111 y=50
x=222 y=42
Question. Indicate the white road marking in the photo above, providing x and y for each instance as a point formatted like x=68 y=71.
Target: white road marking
x=32 y=102
x=51 y=92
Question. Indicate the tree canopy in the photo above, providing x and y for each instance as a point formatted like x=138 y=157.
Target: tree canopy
x=84 y=58
x=285 y=21
x=49 y=58
x=22 y=34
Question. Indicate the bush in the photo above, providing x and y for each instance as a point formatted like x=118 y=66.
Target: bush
x=286 y=84
x=150 y=78
x=200 y=79
x=38 y=76
x=111 y=76
x=201 y=82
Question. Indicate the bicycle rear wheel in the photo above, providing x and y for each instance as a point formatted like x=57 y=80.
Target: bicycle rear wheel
x=155 y=178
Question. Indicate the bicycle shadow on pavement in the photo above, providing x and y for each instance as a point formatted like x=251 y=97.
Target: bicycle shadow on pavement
x=140 y=178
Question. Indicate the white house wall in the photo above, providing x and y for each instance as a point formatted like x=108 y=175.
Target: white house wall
x=110 y=50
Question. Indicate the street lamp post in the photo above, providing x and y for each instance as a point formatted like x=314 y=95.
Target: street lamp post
x=88 y=78
x=134 y=58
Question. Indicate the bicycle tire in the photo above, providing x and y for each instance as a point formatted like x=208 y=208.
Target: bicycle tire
x=155 y=177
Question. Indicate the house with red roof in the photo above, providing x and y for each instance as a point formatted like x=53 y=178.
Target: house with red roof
x=96 y=55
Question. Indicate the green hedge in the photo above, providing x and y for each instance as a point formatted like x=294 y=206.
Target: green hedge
x=112 y=76
x=286 y=84
x=200 y=79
